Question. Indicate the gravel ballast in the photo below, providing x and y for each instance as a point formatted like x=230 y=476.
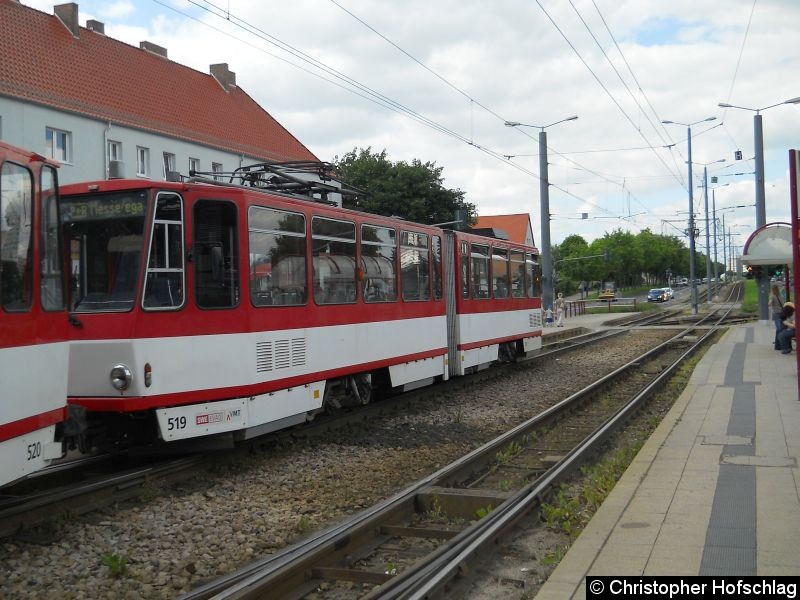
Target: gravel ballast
x=232 y=514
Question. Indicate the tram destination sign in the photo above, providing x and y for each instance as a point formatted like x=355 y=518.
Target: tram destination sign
x=105 y=207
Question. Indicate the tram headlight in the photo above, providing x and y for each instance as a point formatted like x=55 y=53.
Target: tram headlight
x=120 y=377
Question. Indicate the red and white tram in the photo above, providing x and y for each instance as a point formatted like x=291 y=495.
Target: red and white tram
x=33 y=322
x=494 y=301
x=202 y=308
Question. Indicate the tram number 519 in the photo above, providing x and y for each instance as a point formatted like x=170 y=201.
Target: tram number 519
x=34 y=450
x=176 y=423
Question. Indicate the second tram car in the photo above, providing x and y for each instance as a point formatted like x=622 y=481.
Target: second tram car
x=494 y=304
x=201 y=307
x=33 y=321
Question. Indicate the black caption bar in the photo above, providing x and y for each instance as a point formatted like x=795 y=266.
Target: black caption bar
x=729 y=588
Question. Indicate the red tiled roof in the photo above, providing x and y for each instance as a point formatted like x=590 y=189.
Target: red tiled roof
x=103 y=78
x=516 y=226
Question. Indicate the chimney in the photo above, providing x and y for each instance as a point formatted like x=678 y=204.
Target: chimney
x=68 y=15
x=153 y=48
x=225 y=77
x=96 y=26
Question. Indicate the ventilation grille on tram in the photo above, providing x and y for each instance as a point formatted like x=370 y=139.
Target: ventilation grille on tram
x=280 y=354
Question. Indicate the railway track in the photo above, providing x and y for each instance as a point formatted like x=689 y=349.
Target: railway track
x=83 y=485
x=415 y=543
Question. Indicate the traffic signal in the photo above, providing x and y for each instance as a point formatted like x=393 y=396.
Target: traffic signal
x=738 y=155
x=605 y=255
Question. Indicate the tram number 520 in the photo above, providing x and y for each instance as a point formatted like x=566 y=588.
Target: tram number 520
x=34 y=450
x=176 y=423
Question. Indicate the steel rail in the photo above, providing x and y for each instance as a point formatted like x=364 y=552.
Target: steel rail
x=430 y=579
x=293 y=563
x=77 y=499
x=31 y=509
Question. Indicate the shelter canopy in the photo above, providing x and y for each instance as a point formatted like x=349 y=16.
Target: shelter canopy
x=769 y=245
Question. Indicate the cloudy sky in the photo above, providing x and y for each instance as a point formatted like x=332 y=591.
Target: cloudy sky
x=436 y=80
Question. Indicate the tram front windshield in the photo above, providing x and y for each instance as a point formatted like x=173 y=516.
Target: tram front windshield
x=104 y=233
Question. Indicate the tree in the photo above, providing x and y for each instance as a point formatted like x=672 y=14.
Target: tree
x=413 y=191
x=570 y=268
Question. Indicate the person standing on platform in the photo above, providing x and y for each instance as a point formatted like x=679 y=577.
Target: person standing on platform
x=776 y=306
x=560 y=309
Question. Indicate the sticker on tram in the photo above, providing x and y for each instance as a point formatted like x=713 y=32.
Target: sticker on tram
x=208 y=418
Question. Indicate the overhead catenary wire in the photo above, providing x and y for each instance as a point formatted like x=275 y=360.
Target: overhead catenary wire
x=636 y=80
x=361 y=90
x=605 y=89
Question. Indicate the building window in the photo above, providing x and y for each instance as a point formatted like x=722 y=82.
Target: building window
x=114 y=151
x=58 y=144
x=216 y=168
x=142 y=161
x=194 y=165
x=169 y=163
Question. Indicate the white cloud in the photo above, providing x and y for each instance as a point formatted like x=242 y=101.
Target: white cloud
x=117 y=10
x=509 y=58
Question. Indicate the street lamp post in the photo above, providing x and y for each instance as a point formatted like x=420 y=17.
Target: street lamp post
x=724 y=248
x=544 y=209
x=692 y=258
x=708 y=249
x=714 y=212
x=761 y=212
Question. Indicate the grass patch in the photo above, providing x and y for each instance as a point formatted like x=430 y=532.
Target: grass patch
x=750 y=301
x=598 y=310
x=573 y=505
x=117 y=564
x=575 y=502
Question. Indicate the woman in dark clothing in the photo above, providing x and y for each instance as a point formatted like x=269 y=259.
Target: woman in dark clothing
x=783 y=337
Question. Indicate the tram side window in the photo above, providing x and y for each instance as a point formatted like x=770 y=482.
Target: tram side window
x=379 y=261
x=277 y=257
x=164 y=283
x=517 y=268
x=500 y=272
x=415 y=266
x=464 y=270
x=479 y=263
x=51 y=286
x=16 y=249
x=216 y=254
x=333 y=252
x=533 y=276
x=436 y=254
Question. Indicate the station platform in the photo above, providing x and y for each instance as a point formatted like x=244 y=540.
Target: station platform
x=716 y=489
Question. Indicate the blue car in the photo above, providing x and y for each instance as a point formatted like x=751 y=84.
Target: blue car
x=657 y=295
